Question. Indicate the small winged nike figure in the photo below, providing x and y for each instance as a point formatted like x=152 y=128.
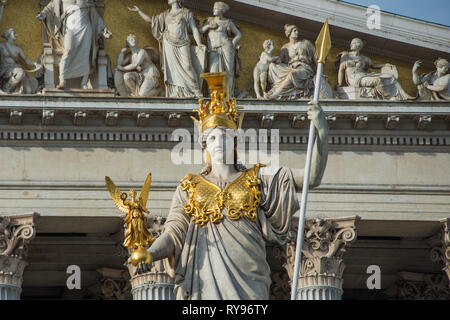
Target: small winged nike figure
x=137 y=235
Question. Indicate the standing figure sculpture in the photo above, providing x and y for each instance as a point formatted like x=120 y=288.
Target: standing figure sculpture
x=223 y=51
x=354 y=71
x=181 y=63
x=2 y=8
x=137 y=74
x=220 y=220
x=137 y=235
x=13 y=77
x=77 y=27
x=260 y=72
x=434 y=85
x=294 y=77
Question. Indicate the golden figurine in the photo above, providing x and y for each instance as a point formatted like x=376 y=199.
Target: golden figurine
x=137 y=235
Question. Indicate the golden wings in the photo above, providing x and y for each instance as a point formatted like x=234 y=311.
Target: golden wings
x=119 y=197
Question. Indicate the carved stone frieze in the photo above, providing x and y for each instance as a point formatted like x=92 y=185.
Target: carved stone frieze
x=114 y=284
x=419 y=286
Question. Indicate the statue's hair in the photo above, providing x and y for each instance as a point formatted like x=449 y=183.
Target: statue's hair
x=440 y=62
x=288 y=29
x=222 y=5
x=202 y=140
x=266 y=43
x=6 y=34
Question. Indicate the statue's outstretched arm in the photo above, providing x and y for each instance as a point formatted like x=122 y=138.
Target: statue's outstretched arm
x=144 y=16
x=320 y=150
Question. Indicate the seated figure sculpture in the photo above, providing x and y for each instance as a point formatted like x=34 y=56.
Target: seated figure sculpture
x=434 y=85
x=294 y=77
x=13 y=77
x=136 y=73
x=354 y=72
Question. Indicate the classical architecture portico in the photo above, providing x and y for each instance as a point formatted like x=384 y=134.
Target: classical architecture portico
x=383 y=200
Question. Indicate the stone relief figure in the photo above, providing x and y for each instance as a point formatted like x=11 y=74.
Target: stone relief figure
x=222 y=51
x=220 y=220
x=293 y=78
x=13 y=77
x=434 y=85
x=181 y=63
x=77 y=26
x=260 y=72
x=137 y=74
x=2 y=8
x=354 y=72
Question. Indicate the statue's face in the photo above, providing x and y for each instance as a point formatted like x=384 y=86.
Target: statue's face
x=356 y=44
x=220 y=145
x=132 y=41
x=294 y=33
x=172 y=2
x=217 y=10
x=133 y=193
x=12 y=35
x=443 y=69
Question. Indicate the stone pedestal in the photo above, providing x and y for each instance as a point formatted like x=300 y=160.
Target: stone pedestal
x=16 y=231
x=322 y=265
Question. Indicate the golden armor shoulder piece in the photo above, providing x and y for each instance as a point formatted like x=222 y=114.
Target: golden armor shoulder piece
x=241 y=197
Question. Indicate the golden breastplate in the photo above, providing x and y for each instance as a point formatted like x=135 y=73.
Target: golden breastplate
x=241 y=197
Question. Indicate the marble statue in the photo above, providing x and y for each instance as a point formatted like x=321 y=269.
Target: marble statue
x=260 y=72
x=13 y=77
x=181 y=62
x=77 y=27
x=222 y=50
x=221 y=219
x=137 y=74
x=434 y=85
x=354 y=72
x=2 y=8
x=294 y=77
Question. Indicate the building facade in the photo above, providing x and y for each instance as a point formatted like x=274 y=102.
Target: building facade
x=377 y=226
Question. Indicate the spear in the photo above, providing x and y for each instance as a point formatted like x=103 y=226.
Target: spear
x=323 y=46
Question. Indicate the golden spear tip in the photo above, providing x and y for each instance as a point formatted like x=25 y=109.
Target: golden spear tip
x=323 y=42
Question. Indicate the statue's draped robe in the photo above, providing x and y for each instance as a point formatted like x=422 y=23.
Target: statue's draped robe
x=227 y=260
x=294 y=77
x=80 y=26
x=172 y=32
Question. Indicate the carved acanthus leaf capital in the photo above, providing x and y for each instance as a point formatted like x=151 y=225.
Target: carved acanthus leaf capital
x=16 y=232
x=440 y=246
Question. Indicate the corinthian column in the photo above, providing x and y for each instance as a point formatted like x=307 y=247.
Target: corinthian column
x=154 y=283
x=440 y=244
x=322 y=265
x=16 y=232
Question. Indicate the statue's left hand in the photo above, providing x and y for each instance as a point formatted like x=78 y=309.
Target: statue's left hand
x=4 y=2
x=316 y=114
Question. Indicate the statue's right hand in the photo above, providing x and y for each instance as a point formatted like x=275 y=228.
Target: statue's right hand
x=134 y=9
x=41 y=16
x=417 y=64
x=4 y=2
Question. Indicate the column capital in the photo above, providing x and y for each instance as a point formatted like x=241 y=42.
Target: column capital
x=322 y=264
x=16 y=232
x=420 y=286
x=440 y=246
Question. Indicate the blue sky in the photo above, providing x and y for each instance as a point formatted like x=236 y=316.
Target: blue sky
x=437 y=11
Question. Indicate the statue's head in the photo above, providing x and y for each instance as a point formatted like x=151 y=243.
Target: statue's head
x=9 y=34
x=441 y=65
x=291 y=31
x=268 y=45
x=180 y=2
x=133 y=194
x=220 y=8
x=220 y=144
x=356 y=44
x=131 y=40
